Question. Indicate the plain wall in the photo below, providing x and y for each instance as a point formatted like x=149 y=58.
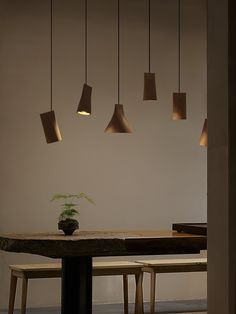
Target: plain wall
x=145 y=180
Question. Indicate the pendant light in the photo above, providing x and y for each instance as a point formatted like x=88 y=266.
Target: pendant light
x=48 y=119
x=204 y=135
x=149 y=92
x=84 y=107
x=179 y=98
x=118 y=123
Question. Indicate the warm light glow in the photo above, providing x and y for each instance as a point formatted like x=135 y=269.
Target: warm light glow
x=50 y=126
x=179 y=106
x=84 y=113
x=84 y=107
x=204 y=135
x=118 y=123
x=58 y=133
x=176 y=116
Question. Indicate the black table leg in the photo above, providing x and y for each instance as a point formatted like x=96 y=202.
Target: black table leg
x=76 y=285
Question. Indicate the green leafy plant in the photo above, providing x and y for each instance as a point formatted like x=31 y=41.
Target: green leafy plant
x=70 y=202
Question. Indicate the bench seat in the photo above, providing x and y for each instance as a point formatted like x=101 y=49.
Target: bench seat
x=53 y=270
x=179 y=265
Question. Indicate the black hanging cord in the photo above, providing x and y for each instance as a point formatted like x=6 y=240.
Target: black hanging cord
x=118 y=46
x=179 y=44
x=51 y=60
x=86 y=41
x=207 y=27
x=149 y=35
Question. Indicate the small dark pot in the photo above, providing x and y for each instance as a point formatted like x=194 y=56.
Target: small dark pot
x=68 y=226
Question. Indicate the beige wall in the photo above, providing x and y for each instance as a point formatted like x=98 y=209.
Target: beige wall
x=146 y=180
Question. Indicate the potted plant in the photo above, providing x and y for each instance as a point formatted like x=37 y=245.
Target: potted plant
x=67 y=219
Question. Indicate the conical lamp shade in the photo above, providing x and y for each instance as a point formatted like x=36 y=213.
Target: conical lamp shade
x=118 y=123
x=50 y=127
x=179 y=106
x=84 y=107
x=149 y=92
x=204 y=135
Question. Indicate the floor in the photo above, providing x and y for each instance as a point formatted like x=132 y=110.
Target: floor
x=94 y=312
x=164 y=307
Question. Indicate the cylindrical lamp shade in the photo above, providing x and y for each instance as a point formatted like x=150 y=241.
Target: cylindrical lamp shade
x=149 y=92
x=118 y=123
x=84 y=107
x=179 y=106
x=50 y=127
x=204 y=135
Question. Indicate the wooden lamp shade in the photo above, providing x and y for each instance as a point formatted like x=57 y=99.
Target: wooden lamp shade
x=204 y=135
x=149 y=92
x=179 y=98
x=179 y=106
x=84 y=107
x=50 y=127
x=48 y=119
x=118 y=123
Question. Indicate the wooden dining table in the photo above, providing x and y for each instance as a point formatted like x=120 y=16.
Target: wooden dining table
x=77 y=251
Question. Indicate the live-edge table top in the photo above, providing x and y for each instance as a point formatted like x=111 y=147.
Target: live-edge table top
x=104 y=243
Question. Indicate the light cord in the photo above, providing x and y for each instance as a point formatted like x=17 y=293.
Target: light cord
x=51 y=56
x=118 y=46
x=179 y=44
x=86 y=41
x=149 y=35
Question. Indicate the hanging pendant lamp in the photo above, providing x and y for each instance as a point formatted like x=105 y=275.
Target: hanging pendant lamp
x=204 y=135
x=48 y=119
x=149 y=92
x=118 y=123
x=179 y=98
x=84 y=107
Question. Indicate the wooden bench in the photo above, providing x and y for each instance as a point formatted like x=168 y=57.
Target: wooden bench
x=110 y=268
x=154 y=267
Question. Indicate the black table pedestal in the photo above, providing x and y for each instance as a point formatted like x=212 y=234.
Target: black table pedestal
x=76 y=285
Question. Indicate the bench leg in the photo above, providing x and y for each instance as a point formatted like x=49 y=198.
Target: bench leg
x=126 y=294
x=139 y=294
x=12 y=294
x=152 y=292
x=24 y=295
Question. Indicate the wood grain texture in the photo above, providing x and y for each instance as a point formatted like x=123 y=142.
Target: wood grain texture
x=174 y=262
x=179 y=106
x=149 y=92
x=104 y=243
x=50 y=127
x=118 y=123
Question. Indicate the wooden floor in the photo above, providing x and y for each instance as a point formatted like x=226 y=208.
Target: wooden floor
x=57 y=311
x=95 y=312
x=163 y=307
